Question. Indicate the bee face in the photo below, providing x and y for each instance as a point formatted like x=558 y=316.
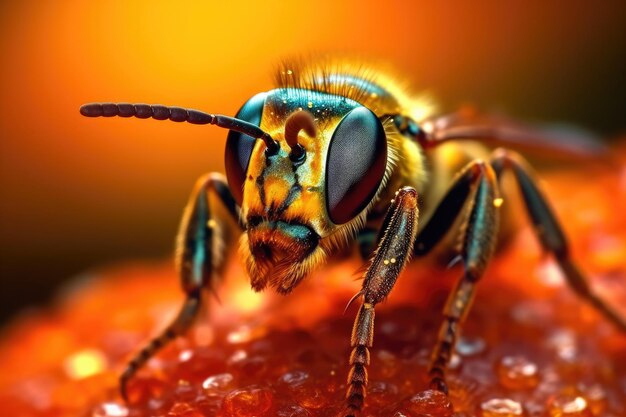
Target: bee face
x=296 y=210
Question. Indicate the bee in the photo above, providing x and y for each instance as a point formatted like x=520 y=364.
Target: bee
x=335 y=157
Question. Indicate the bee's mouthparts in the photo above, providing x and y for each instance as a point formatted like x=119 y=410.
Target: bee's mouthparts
x=276 y=241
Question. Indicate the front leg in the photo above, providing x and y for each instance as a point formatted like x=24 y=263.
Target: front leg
x=389 y=259
x=200 y=252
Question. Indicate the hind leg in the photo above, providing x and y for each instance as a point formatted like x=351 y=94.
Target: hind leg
x=199 y=253
x=478 y=237
x=549 y=232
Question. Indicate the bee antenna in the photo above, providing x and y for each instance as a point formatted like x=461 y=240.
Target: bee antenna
x=297 y=121
x=178 y=114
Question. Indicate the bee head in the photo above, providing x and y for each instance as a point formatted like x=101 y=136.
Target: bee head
x=304 y=166
x=301 y=200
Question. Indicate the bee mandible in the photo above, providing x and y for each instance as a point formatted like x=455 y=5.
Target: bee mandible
x=336 y=156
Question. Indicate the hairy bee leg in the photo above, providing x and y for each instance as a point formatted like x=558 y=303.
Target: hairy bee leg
x=549 y=232
x=388 y=261
x=477 y=185
x=199 y=252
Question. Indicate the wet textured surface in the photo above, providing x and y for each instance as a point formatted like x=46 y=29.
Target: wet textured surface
x=530 y=347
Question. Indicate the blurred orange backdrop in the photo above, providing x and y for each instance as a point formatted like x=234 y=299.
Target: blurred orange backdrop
x=78 y=193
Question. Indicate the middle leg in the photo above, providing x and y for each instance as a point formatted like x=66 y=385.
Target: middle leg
x=476 y=188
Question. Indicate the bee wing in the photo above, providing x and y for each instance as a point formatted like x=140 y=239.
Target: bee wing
x=552 y=140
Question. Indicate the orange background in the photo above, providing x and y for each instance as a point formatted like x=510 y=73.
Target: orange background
x=76 y=193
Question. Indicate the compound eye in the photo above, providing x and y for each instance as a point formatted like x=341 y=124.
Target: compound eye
x=239 y=146
x=357 y=158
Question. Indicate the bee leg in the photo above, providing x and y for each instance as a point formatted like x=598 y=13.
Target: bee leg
x=199 y=252
x=476 y=184
x=549 y=232
x=388 y=261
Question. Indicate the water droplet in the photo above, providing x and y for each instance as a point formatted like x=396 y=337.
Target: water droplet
x=517 y=372
x=241 y=335
x=430 y=403
x=184 y=391
x=247 y=402
x=380 y=394
x=238 y=356
x=564 y=342
x=196 y=364
x=501 y=407
x=218 y=382
x=568 y=406
x=310 y=395
x=470 y=347
x=142 y=389
x=550 y=381
x=185 y=355
x=110 y=410
x=596 y=398
x=294 y=378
